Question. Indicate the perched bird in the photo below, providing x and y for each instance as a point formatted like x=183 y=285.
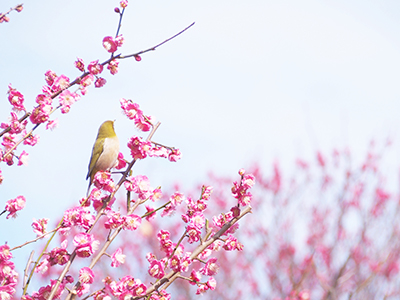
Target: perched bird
x=105 y=151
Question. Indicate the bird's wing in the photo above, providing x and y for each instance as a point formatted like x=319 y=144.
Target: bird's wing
x=96 y=152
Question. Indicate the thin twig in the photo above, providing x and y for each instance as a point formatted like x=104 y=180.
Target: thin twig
x=27 y=269
x=156 y=46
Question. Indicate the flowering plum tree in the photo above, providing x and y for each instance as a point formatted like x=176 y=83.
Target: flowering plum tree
x=330 y=231
x=74 y=261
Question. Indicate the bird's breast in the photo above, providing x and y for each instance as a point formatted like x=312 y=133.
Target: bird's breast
x=108 y=158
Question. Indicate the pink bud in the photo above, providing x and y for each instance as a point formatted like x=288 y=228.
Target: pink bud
x=117 y=10
x=138 y=58
x=236 y=211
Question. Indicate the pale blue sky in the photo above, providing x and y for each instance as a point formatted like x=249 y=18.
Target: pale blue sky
x=251 y=81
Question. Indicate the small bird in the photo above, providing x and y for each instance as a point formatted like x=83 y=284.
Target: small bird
x=105 y=151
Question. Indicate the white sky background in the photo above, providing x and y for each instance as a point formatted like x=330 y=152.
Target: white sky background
x=252 y=81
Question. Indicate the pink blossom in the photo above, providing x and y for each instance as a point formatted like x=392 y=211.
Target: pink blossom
x=44 y=291
x=114 y=220
x=52 y=124
x=59 y=255
x=157 y=194
x=211 y=267
x=176 y=198
x=231 y=244
x=150 y=215
x=174 y=263
x=86 y=275
x=9 y=140
x=138 y=57
x=113 y=67
x=156 y=269
x=109 y=44
x=83 y=289
x=198 y=220
x=5 y=253
x=193 y=234
x=150 y=257
x=185 y=262
x=41 y=113
x=31 y=140
x=130 y=109
x=160 y=295
x=45 y=98
x=168 y=210
x=102 y=180
x=167 y=246
x=139 y=184
x=139 y=290
x=67 y=98
x=175 y=155
x=85 y=244
x=86 y=81
x=133 y=112
x=123 y=3
x=202 y=288
x=79 y=64
x=95 y=68
x=121 y=163
x=139 y=148
x=195 y=276
x=132 y=222
x=49 y=76
x=23 y=158
x=163 y=235
x=39 y=226
x=16 y=99
x=119 y=40
x=117 y=258
x=14 y=205
x=100 y=82
x=222 y=219
x=60 y=83
x=211 y=283
x=78 y=216
x=143 y=123
x=248 y=181
x=15 y=126
x=158 y=151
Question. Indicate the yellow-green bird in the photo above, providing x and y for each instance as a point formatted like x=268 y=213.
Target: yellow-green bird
x=105 y=151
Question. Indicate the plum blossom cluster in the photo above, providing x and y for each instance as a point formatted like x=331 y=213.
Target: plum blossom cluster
x=14 y=205
x=240 y=189
x=140 y=185
x=57 y=256
x=56 y=86
x=180 y=261
x=40 y=226
x=140 y=149
x=8 y=275
x=14 y=130
x=128 y=222
x=127 y=287
x=133 y=112
x=112 y=44
x=44 y=291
